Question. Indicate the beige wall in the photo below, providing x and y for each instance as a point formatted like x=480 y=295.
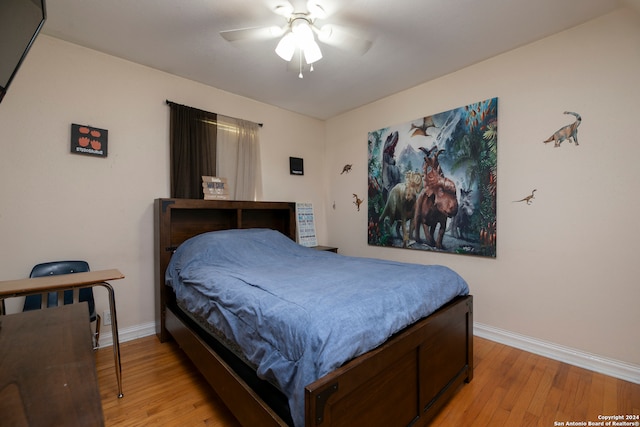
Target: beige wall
x=567 y=268
x=57 y=205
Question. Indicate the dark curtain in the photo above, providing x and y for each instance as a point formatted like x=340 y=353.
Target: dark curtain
x=193 y=149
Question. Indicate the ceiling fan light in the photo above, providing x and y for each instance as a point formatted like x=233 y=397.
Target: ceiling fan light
x=286 y=47
x=312 y=52
x=302 y=30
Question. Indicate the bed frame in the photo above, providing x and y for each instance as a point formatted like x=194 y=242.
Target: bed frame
x=403 y=382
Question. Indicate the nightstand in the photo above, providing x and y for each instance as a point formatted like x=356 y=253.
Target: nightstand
x=325 y=248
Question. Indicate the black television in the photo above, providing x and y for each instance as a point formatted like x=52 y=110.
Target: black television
x=20 y=23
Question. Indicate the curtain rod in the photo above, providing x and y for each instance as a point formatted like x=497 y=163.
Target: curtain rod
x=181 y=105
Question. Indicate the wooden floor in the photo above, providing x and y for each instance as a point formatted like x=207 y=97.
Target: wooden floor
x=510 y=388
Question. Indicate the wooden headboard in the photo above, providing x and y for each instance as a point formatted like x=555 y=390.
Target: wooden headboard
x=177 y=220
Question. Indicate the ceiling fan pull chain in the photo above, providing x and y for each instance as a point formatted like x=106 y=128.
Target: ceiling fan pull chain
x=300 y=64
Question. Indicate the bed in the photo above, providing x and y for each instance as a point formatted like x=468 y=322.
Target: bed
x=401 y=380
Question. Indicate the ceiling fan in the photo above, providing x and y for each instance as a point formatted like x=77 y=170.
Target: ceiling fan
x=299 y=34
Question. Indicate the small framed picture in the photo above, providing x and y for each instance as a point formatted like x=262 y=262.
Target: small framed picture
x=88 y=140
x=296 y=166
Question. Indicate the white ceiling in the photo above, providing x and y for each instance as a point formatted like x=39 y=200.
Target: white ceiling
x=414 y=41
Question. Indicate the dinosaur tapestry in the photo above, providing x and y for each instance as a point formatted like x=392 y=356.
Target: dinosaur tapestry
x=432 y=182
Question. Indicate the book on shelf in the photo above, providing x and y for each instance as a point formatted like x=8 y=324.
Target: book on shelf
x=216 y=197
x=214 y=188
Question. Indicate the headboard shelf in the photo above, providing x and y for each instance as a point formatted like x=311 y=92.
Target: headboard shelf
x=177 y=220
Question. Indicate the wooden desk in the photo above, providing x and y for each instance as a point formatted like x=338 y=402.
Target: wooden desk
x=62 y=282
x=47 y=369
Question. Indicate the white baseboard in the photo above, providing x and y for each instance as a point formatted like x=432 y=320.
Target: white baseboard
x=614 y=368
x=127 y=334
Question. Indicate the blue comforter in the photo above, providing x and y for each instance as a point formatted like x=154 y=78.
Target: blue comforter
x=298 y=313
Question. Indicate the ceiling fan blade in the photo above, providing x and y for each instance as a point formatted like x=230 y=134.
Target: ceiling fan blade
x=343 y=38
x=283 y=8
x=244 y=34
x=316 y=10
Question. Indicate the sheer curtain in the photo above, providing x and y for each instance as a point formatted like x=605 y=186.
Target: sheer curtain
x=192 y=140
x=238 y=157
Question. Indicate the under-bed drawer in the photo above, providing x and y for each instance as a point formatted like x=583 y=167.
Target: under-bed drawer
x=443 y=355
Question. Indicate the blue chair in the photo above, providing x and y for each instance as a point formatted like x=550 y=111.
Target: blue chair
x=34 y=302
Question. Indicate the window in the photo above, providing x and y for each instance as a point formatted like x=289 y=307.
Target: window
x=203 y=143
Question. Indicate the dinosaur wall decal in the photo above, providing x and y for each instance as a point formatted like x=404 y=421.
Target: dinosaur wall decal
x=527 y=199
x=358 y=201
x=568 y=132
x=346 y=169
